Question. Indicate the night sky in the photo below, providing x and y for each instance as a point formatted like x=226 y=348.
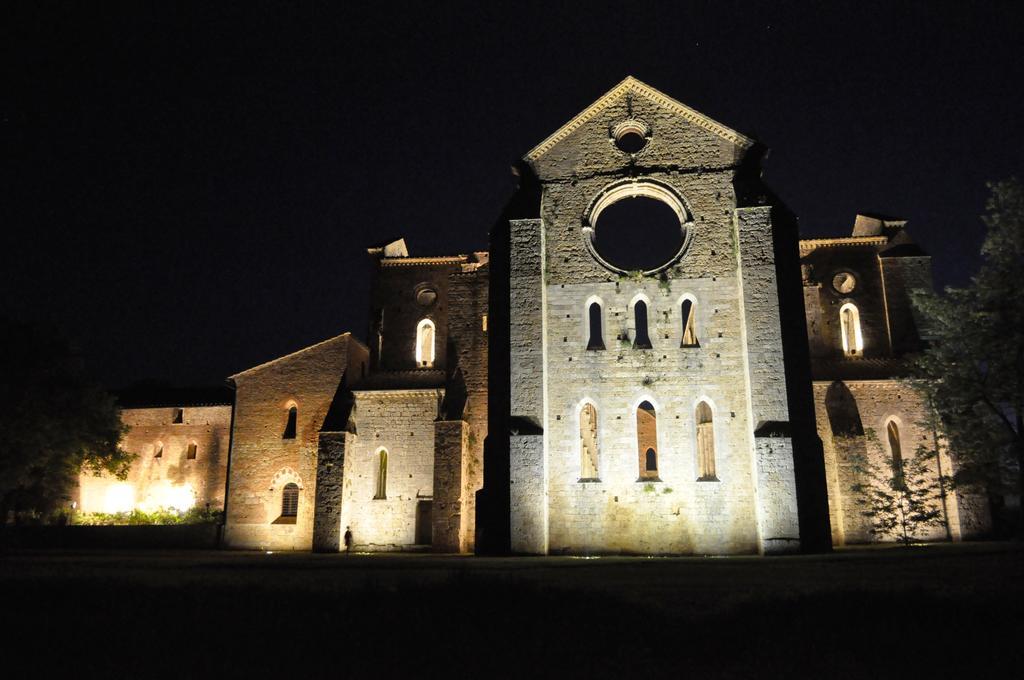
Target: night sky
x=189 y=191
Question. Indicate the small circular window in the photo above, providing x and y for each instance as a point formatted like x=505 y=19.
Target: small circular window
x=630 y=136
x=425 y=297
x=844 y=282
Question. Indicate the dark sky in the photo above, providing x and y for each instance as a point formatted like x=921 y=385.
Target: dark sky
x=189 y=190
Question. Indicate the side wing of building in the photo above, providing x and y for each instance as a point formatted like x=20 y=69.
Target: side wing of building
x=860 y=325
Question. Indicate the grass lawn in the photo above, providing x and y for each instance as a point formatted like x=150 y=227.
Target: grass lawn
x=935 y=611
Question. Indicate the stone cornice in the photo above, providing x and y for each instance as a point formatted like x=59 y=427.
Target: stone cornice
x=420 y=261
x=634 y=86
x=812 y=243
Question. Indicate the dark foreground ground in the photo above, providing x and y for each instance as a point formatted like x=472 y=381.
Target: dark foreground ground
x=929 y=612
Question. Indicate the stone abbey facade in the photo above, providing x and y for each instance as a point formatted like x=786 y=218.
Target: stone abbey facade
x=541 y=399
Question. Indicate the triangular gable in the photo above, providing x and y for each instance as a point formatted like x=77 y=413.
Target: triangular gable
x=319 y=345
x=634 y=86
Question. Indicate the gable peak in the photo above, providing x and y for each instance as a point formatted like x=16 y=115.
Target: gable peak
x=632 y=85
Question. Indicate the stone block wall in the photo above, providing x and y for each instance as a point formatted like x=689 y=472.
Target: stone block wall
x=468 y=312
x=875 y=403
x=450 y=520
x=170 y=480
x=776 y=497
x=402 y=423
x=622 y=512
x=328 y=534
x=263 y=461
x=903 y=275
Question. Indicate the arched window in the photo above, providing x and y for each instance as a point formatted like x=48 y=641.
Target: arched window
x=705 y=443
x=642 y=340
x=190 y=452
x=849 y=324
x=588 y=443
x=689 y=309
x=647 y=440
x=425 y=343
x=290 y=500
x=892 y=432
x=595 y=322
x=289 y=427
x=382 y=475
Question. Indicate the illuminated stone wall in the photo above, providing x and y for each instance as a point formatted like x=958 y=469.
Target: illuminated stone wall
x=875 y=403
x=170 y=480
x=400 y=422
x=729 y=269
x=263 y=461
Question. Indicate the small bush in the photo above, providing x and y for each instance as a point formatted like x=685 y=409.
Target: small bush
x=159 y=516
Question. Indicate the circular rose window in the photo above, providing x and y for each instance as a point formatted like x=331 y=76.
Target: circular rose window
x=637 y=226
x=844 y=282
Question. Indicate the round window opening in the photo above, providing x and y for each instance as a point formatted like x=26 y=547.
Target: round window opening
x=426 y=296
x=844 y=282
x=630 y=142
x=638 y=233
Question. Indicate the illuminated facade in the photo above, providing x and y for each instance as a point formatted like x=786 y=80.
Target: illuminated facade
x=860 y=324
x=544 y=398
x=180 y=440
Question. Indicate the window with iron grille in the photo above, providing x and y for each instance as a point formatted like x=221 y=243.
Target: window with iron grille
x=290 y=500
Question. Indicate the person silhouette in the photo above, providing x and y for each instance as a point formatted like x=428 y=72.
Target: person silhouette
x=348 y=539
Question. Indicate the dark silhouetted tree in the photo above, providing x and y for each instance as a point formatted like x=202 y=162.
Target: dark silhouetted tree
x=972 y=371
x=54 y=423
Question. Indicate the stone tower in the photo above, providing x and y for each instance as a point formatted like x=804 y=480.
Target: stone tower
x=660 y=410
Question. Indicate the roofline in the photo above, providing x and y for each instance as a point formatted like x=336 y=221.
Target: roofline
x=347 y=334
x=807 y=244
x=413 y=261
x=632 y=84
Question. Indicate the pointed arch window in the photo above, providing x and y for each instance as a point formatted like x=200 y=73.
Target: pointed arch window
x=642 y=339
x=425 y=343
x=705 y=443
x=382 y=475
x=589 y=469
x=849 y=326
x=689 y=323
x=647 y=440
x=892 y=432
x=289 y=426
x=290 y=500
x=595 y=323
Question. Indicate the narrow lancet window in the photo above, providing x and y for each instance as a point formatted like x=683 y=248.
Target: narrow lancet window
x=382 y=475
x=289 y=427
x=892 y=431
x=596 y=339
x=689 y=325
x=647 y=440
x=705 y=443
x=849 y=324
x=588 y=443
x=425 y=343
x=642 y=339
x=290 y=500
